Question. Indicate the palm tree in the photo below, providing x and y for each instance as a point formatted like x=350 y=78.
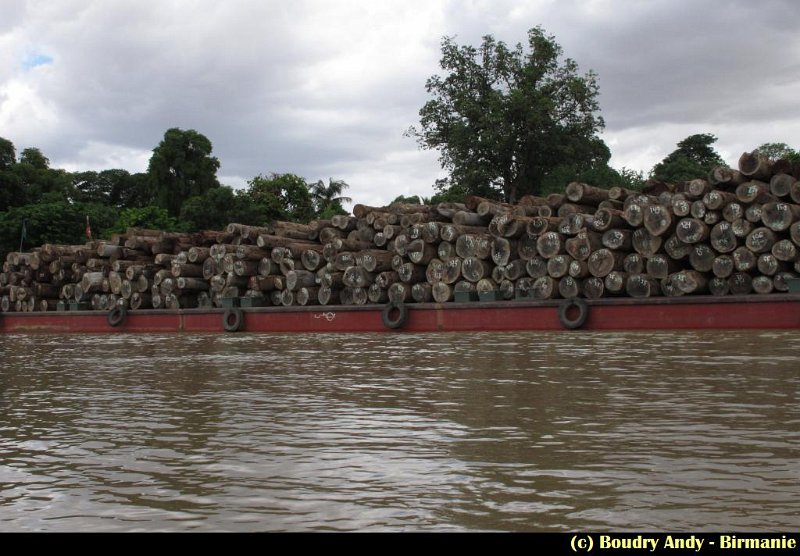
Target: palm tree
x=328 y=199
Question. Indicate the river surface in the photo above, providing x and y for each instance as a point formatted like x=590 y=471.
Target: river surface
x=678 y=431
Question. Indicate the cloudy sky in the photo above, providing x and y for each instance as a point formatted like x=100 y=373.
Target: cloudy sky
x=326 y=88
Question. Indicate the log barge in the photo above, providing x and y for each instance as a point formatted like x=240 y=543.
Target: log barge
x=776 y=311
x=719 y=252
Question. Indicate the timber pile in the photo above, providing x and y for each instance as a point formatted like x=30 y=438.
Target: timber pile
x=734 y=232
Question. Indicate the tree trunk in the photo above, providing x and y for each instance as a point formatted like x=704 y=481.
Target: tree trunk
x=569 y=287
x=763 y=284
x=755 y=166
x=503 y=250
x=606 y=219
x=541 y=225
x=660 y=266
x=400 y=293
x=760 y=240
x=744 y=259
x=469 y=245
x=420 y=252
x=558 y=266
x=754 y=192
x=550 y=244
x=784 y=250
x=779 y=216
x=584 y=193
x=473 y=269
x=545 y=288
x=618 y=240
x=781 y=185
x=723 y=267
x=593 y=287
x=641 y=285
x=536 y=267
x=692 y=230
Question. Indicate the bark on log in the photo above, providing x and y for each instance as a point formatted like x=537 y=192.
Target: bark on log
x=593 y=287
x=641 y=285
x=536 y=267
x=660 y=266
x=645 y=243
x=760 y=240
x=763 y=285
x=722 y=237
x=723 y=267
x=569 y=287
x=473 y=269
x=755 y=166
x=744 y=260
x=603 y=261
x=779 y=216
x=702 y=257
x=558 y=266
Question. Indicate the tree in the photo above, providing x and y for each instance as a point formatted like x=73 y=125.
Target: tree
x=504 y=119
x=181 y=167
x=328 y=199
x=155 y=218
x=777 y=151
x=35 y=158
x=694 y=158
x=7 y=154
x=281 y=197
x=218 y=207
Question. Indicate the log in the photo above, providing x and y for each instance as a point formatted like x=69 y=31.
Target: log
x=578 y=269
x=544 y=288
x=541 y=225
x=780 y=185
x=794 y=233
x=614 y=282
x=526 y=247
x=645 y=243
x=327 y=296
x=718 y=200
x=754 y=192
x=779 y=281
x=697 y=188
x=399 y=293
x=692 y=230
x=641 y=285
x=617 y=240
x=441 y=292
x=723 y=267
x=718 y=286
x=779 y=216
x=727 y=177
x=536 y=267
x=141 y=300
x=768 y=265
x=593 y=287
x=606 y=219
x=451 y=232
x=558 y=266
x=584 y=193
x=658 y=220
x=411 y=273
x=681 y=206
x=503 y=250
x=744 y=260
x=732 y=212
x=515 y=270
x=753 y=213
x=760 y=240
x=690 y=282
x=473 y=269
x=465 y=218
x=617 y=193
x=569 y=287
x=266 y=283
x=755 y=166
x=702 y=257
x=571 y=224
x=634 y=263
x=722 y=237
x=478 y=246
x=785 y=250
x=603 y=261
x=420 y=252
x=422 y=292
x=356 y=277
x=660 y=266
x=698 y=210
x=446 y=251
x=741 y=227
x=550 y=244
x=763 y=285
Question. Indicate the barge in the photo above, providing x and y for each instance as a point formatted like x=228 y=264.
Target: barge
x=774 y=311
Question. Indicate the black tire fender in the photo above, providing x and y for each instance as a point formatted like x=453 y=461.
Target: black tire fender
x=402 y=316
x=116 y=316
x=232 y=319
x=583 y=313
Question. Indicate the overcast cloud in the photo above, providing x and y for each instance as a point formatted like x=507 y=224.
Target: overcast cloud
x=326 y=88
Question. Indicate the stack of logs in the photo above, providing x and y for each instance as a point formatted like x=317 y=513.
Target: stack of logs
x=734 y=232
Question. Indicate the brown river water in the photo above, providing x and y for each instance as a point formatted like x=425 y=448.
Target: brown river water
x=672 y=431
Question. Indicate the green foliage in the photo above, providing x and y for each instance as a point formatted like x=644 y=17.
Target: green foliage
x=181 y=167
x=328 y=199
x=411 y=200
x=281 y=197
x=694 y=158
x=155 y=218
x=217 y=208
x=7 y=154
x=35 y=158
x=503 y=118
x=52 y=222
x=777 y=151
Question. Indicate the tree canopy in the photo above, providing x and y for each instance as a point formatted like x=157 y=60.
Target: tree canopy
x=182 y=167
x=503 y=119
x=693 y=158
